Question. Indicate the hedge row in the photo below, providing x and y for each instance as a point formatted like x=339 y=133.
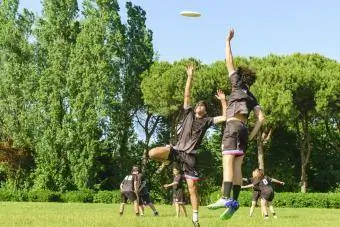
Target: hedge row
x=316 y=200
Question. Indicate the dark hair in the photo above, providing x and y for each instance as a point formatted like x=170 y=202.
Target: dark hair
x=135 y=168
x=247 y=75
x=202 y=102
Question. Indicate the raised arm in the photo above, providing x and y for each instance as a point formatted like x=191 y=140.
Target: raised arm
x=190 y=72
x=259 y=121
x=229 y=55
x=278 y=182
x=221 y=96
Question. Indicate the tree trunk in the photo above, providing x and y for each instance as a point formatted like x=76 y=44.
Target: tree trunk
x=305 y=155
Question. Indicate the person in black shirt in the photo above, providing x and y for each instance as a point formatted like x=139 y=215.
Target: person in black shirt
x=264 y=185
x=194 y=126
x=255 y=197
x=177 y=191
x=145 y=200
x=235 y=137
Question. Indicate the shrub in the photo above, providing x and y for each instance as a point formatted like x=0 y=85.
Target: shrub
x=44 y=196
x=103 y=197
x=83 y=196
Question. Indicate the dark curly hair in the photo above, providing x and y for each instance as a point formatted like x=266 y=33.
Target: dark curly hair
x=247 y=75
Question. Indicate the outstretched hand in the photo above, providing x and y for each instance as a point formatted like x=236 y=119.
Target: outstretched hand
x=230 y=34
x=220 y=94
x=190 y=70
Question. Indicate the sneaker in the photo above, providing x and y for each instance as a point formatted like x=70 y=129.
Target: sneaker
x=196 y=223
x=120 y=213
x=228 y=213
x=275 y=217
x=161 y=167
x=221 y=203
x=156 y=213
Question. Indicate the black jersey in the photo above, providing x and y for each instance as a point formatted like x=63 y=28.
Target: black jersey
x=192 y=131
x=263 y=185
x=241 y=100
x=179 y=179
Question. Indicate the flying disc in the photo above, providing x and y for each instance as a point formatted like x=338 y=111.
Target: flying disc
x=190 y=14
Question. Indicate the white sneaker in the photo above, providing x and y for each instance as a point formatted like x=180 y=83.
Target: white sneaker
x=221 y=203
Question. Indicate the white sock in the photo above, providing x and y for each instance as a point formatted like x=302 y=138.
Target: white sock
x=195 y=215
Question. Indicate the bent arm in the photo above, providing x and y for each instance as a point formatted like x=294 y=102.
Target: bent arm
x=190 y=70
x=220 y=95
x=277 y=181
x=260 y=119
x=247 y=186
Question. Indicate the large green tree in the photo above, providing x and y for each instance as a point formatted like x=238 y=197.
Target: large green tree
x=56 y=33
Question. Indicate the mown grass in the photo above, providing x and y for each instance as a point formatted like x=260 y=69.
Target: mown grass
x=82 y=214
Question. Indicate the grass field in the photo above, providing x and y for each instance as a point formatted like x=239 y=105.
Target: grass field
x=80 y=214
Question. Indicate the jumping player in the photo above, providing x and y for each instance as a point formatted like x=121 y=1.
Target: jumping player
x=195 y=124
x=129 y=190
x=234 y=143
x=264 y=184
x=177 y=192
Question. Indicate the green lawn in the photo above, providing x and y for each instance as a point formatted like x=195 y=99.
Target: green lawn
x=80 y=214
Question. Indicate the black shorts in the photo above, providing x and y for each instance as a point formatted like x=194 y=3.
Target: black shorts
x=267 y=195
x=144 y=199
x=178 y=196
x=235 y=138
x=187 y=162
x=256 y=196
x=125 y=196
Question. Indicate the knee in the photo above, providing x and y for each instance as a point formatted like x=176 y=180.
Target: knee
x=152 y=153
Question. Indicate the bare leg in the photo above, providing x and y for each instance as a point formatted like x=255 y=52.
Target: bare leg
x=177 y=209
x=253 y=205
x=136 y=206
x=141 y=210
x=193 y=198
x=183 y=209
x=159 y=153
x=121 y=209
x=271 y=208
x=264 y=208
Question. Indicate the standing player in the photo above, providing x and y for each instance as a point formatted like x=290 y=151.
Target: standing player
x=177 y=191
x=129 y=190
x=145 y=200
x=195 y=124
x=234 y=143
x=255 y=197
x=263 y=183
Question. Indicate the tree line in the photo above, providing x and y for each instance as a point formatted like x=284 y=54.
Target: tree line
x=83 y=97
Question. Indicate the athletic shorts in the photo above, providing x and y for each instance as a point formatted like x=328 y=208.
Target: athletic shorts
x=144 y=199
x=125 y=196
x=267 y=195
x=178 y=196
x=235 y=138
x=256 y=196
x=187 y=162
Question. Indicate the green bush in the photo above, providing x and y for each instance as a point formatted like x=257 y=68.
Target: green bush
x=83 y=196
x=13 y=195
x=103 y=197
x=44 y=196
